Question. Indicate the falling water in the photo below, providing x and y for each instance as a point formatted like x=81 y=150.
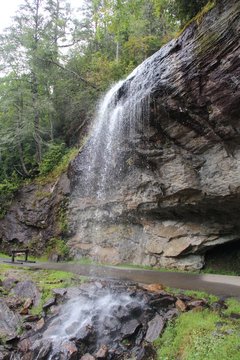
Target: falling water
x=121 y=122
x=121 y=118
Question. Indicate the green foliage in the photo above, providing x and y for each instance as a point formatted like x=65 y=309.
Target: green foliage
x=57 y=246
x=233 y=306
x=7 y=191
x=196 y=336
x=188 y=9
x=47 y=97
x=59 y=169
x=52 y=158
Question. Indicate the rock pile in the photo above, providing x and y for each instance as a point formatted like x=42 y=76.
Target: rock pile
x=97 y=320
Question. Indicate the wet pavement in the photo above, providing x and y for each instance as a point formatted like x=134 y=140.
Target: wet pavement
x=220 y=285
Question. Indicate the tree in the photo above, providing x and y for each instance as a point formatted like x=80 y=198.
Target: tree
x=31 y=49
x=187 y=9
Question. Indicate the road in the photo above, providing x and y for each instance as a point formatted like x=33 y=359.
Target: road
x=220 y=285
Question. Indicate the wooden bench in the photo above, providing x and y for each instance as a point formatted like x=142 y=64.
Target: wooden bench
x=19 y=252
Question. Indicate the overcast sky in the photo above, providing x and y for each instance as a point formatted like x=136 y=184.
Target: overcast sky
x=9 y=7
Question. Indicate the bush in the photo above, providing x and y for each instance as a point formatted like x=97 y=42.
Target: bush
x=57 y=246
x=7 y=191
x=52 y=158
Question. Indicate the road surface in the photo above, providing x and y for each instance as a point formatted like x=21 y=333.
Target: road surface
x=220 y=285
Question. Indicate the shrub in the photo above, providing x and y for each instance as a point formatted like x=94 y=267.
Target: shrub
x=7 y=191
x=52 y=158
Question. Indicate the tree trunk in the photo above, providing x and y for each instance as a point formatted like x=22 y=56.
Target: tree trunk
x=36 y=134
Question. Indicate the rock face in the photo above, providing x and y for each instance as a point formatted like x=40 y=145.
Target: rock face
x=107 y=320
x=35 y=216
x=178 y=192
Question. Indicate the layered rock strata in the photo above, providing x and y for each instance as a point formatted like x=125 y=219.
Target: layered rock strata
x=178 y=192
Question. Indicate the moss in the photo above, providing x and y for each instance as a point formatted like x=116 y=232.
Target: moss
x=205 y=42
x=42 y=194
x=62 y=221
x=199 y=17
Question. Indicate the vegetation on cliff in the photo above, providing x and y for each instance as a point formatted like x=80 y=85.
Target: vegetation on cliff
x=48 y=94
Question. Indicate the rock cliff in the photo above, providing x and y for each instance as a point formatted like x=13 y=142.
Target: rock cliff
x=35 y=216
x=177 y=194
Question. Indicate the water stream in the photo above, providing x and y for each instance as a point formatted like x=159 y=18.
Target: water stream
x=121 y=121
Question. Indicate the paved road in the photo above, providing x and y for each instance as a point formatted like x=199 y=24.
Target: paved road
x=221 y=285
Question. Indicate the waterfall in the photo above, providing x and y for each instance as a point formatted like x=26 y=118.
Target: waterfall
x=120 y=119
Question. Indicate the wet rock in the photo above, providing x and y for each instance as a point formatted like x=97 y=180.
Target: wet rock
x=85 y=333
x=163 y=302
x=27 y=356
x=197 y=304
x=87 y=357
x=171 y=314
x=147 y=352
x=59 y=293
x=9 y=321
x=68 y=351
x=9 y=283
x=111 y=323
x=14 y=302
x=27 y=326
x=180 y=305
x=218 y=306
x=120 y=312
x=40 y=324
x=153 y=287
x=27 y=290
x=129 y=328
x=4 y=353
x=155 y=328
x=134 y=308
x=24 y=345
x=31 y=318
x=49 y=303
x=102 y=352
x=26 y=306
x=41 y=349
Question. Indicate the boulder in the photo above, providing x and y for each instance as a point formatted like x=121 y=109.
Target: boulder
x=27 y=290
x=155 y=328
x=9 y=321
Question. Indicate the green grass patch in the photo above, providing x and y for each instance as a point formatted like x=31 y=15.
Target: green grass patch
x=201 y=335
x=45 y=280
x=219 y=271
x=193 y=293
x=4 y=256
x=53 y=279
x=233 y=307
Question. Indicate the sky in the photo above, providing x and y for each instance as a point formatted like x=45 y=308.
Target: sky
x=8 y=8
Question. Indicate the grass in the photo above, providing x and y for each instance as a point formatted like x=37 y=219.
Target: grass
x=45 y=280
x=193 y=293
x=202 y=335
x=4 y=256
x=219 y=271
